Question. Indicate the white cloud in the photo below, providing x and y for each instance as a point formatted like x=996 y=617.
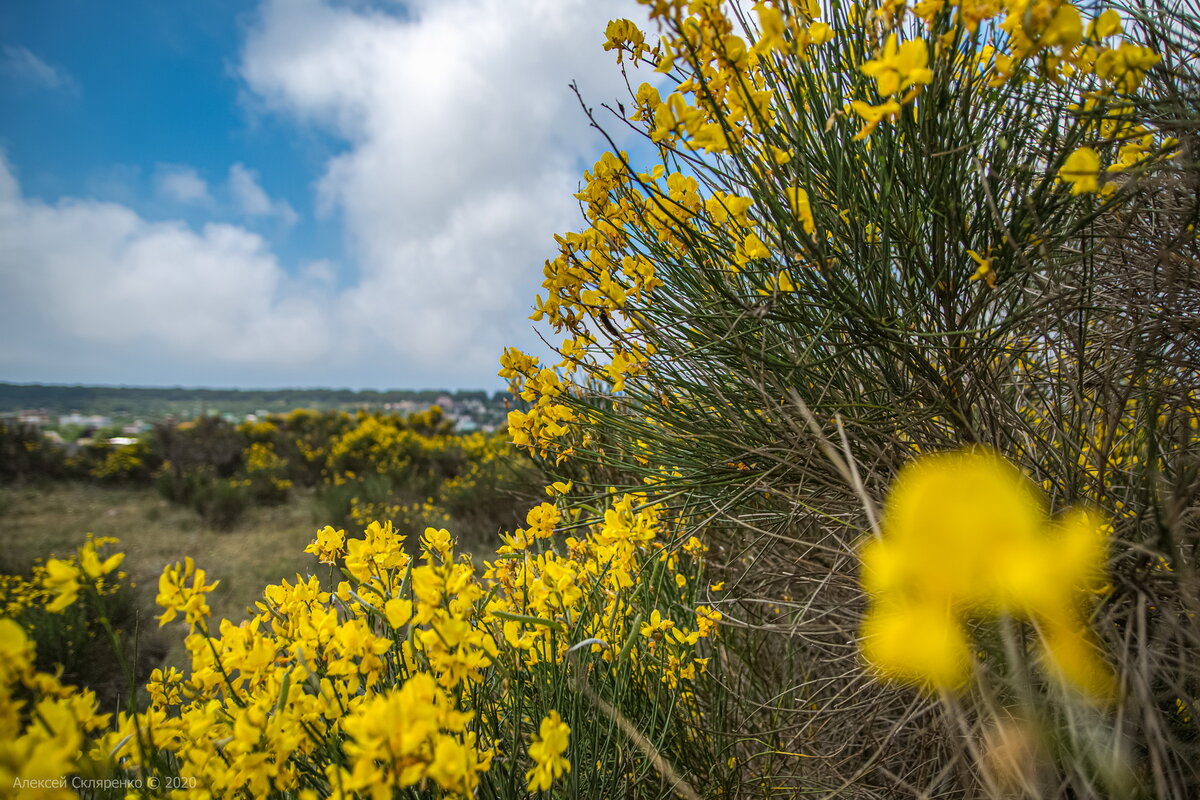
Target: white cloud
x=464 y=149
x=85 y=279
x=251 y=200
x=249 y=196
x=20 y=65
x=181 y=184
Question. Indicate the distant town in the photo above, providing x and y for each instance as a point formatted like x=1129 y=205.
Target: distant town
x=75 y=411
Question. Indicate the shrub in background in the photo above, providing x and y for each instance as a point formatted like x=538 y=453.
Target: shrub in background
x=26 y=455
x=207 y=442
x=129 y=464
x=415 y=472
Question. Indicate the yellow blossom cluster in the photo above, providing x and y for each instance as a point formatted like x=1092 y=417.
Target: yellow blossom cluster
x=44 y=724
x=728 y=93
x=546 y=753
x=63 y=579
x=18 y=593
x=540 y=428
x=408 y=673
x=263 y=463
x=181 y=588
x=1109 y=438
x=964 y=535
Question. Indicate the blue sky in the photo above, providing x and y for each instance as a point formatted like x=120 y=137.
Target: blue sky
x=286 y=193
x=162 y=90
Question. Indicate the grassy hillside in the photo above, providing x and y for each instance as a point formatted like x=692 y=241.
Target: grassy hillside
x=37 y=522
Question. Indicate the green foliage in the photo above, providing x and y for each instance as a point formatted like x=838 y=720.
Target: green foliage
x=73 y=643
x=219 y=501
x=25 y=454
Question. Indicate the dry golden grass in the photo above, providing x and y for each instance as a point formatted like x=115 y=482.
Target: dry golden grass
x=267 y=546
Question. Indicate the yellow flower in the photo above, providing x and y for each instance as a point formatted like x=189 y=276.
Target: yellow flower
x=873 y=115
x=90 y=563
x=751 y=248
x=900 y=66
x=779 y=282
x=819 y=33
x=1107 y=24
x=801 y=208
x=436 y=540
x=984 y=270
x=1072 y=655
x=964 y=506
x=61 y=580
x=16 y=650
x=918 y=643
x=1065 y=27
x=1081 y=170
x=656 y=627
x=398 y=612
x=625 y=37
x=1126 y=66
x=547 y=753
x=771 y=29
x=965 y=533
x=329 y=545
x=182 y=588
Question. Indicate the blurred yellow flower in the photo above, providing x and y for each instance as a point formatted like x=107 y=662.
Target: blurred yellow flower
x=1081 y=170
x=918 y=643
x=62 y=581
x=966 y=533
x=329 y=545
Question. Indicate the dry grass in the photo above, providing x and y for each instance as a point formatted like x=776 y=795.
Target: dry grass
x=267 y=546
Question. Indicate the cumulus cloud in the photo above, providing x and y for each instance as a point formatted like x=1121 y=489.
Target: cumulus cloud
x=252 y=200
x=86 y=279
x=22 y=67
x=464 y=147
x=181 y=184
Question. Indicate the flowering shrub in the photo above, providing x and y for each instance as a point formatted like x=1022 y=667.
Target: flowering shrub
x=133 y=463
x=872 y=231
x=413 y=470
x=416 y=673
x=40 y=738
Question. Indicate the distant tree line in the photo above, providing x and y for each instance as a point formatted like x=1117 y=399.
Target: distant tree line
x=123 y=401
